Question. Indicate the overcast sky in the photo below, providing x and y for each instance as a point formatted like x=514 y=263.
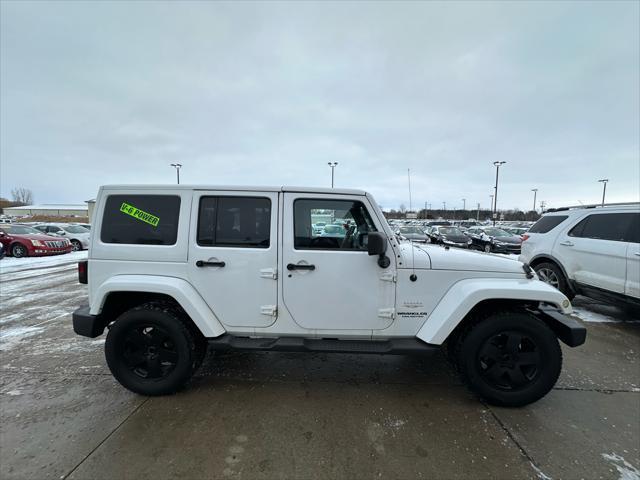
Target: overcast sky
x=267 y=93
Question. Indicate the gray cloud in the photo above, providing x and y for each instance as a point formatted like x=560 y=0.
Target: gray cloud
x=267 y=93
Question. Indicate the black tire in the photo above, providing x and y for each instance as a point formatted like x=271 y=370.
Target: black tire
x=151 y=350
x=509 y=358
x=18 y=250
x=76 y=246
x=487 y=248
x=552 y=274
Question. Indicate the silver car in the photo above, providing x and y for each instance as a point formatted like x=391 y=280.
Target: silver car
x=77 y=235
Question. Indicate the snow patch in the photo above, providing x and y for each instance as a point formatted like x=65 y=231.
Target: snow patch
x=593 y=317
x=625 y=469
x=13 y=393
x=539 y=473
x=11 y=264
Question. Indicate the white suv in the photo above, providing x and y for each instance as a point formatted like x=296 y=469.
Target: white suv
x=592 y=251
x=174 y=270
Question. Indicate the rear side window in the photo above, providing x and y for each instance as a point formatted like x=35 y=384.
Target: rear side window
x=234 y=222
x=605 y=226
x=141 y=219
x=547 y=223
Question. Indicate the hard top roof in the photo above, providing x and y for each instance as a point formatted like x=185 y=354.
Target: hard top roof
x=237 y=188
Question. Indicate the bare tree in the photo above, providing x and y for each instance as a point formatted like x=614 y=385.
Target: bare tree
x=402 y=208
x=22 y=195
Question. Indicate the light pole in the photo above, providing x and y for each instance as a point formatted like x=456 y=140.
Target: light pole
x=333 y=166
x=177 y=166
x=495 y=198
x=535 y=192
x=478 y=213
x=542 y=205
x=604 y=188
x=491 y=207
x=464 y=204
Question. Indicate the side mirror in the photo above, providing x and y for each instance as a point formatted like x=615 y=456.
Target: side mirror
x=376 y=243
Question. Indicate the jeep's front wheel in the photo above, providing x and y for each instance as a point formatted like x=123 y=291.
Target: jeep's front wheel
x=151 y=351
x=510 y=358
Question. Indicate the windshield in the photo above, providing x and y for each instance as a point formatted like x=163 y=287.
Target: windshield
x=20 y=230
x=496 y=232
x=414 y=230
x=75 y=229
x=450 y=231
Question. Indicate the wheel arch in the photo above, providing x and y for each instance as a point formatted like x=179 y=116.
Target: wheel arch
x=17 y=242
x=543 y=258
x=123 y=292
x=474 y=298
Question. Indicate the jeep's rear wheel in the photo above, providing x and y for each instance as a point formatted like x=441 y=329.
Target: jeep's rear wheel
x=510 y=358
x=552 y=274
x=151 y=351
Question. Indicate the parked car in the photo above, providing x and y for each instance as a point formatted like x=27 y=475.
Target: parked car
x=175 y=270
x=493 y=239
x=22 y=241
x=77 y=235
x=516 y=230
x=3 y=251
x=84 y=225
x=451 y=236
x=414 y=234
x=589 y=251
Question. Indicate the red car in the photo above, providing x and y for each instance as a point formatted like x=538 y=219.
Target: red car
x=23 y=241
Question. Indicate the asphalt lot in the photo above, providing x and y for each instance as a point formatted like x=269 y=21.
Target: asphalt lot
x=283 y=415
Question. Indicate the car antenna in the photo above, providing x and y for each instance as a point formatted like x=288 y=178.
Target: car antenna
x=413 y=277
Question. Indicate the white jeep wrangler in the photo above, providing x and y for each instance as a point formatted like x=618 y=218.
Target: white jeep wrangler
x=173 y=270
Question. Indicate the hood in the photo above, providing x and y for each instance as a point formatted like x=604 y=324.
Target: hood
x=414 y=236
x=29 y=236
x=456 y=238
x=438 y=257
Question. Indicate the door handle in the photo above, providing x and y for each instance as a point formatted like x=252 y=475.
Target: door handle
x=567 y=243
x=637 y=254
x=202 y=263
x=293 y=266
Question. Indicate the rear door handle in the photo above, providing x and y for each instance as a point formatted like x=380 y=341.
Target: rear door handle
x=637 y=254
x=567 y=243
x=293 y=266
x=202 y=263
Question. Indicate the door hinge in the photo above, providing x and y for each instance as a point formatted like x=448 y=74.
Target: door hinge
x=388 y=277
x=387 y=312
x=270 y=310
x=271 y=273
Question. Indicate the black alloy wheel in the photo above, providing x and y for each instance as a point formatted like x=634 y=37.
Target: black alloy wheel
x=149 y=352
x=509 y=360
x=154 y=349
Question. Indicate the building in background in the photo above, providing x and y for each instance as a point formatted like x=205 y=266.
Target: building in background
x=52 y=210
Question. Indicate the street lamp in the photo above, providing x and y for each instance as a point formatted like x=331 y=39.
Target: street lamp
x=464 y=204
x=604 y=188
x=333 y=166
x=491 y=207
x=177 y=166
x=495 y=198
x=535 y=192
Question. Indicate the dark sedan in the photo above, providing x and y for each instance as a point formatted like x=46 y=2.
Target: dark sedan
x=450 y=236
x=414 y=234
x=492 y=239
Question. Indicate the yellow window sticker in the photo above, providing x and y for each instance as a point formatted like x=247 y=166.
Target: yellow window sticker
x=139 y=214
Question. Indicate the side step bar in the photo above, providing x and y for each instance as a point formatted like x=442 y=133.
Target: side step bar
x=396 y=346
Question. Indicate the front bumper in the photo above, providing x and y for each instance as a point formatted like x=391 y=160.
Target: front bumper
x=87 y=325
x=456 y=244
x=39 y=251
x=508 y=248
x=566 y=327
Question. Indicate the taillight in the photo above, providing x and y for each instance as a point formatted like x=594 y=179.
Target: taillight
x=525 y=237
x=83 y=271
